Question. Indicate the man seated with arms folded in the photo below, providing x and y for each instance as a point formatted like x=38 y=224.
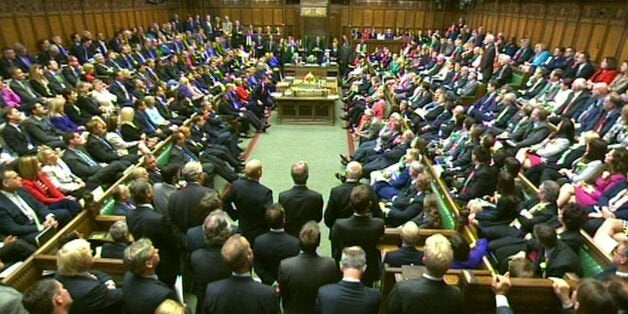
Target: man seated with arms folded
x=84 y=165
x=47 y=296
x=92 y=291
x=430 y=292
x=142 y=291
x=21 y=214
x=407 y=254
x=240 y=290
x=482 y=178
x=349 y=295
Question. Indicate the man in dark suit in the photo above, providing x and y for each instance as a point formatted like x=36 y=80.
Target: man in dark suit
x=48 y=293
x=582 y=67
x=504 y=73
x=272 y=247
x=349 y=295
x=482 y=179
x=407 y=253
x=40 y=129
x=21 y=86
x=21 y=214
x=144 y=222
x=184 y=207
x=14 y=249
x=555 y=258
x=142 y=291
x=486 y=63
x=338 y=202
x=181 y=155
x=537 y=131
x=84 y=165
x=207 y=264
x=119 y=232
x=240 y=290
x=575 y=104
x=72 y=72
x=101 y=150
x=430 y=292
x=301 y=276
x=300 y=203
x=248 y=199
x=612 y=111
x=360 y=229
x=92 y=291
x=16 y=139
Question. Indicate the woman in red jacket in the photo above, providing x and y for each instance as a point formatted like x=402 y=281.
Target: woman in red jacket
x=39 y=186
x=607 y=72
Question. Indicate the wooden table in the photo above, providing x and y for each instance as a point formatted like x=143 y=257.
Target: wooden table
x=306 y=110
x=317 y=70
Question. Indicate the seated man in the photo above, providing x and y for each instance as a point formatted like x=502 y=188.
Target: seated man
x=21 y=214
x=407 y=253
x=84 y=165
x=555 y=258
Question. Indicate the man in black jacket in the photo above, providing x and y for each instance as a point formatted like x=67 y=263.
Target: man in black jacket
x=300 y=203
x=407 y=253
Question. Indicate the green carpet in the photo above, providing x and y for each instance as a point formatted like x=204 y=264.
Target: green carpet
x=319 y=145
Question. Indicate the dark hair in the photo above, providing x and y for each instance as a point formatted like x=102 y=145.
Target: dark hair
x=521 y=268
x=546 y=235
x=170 y=172
x=506 y=186
x=460 y=247
x=360 y=199
x=209 y=203
x=37 y=299
x=141 y=191
x=596 y=150
x=619 y=164
x=512 y=166
x=67 y=137
x=275 y=216
x=593 y=298
x=310 y=236
x=566 y=130
x=499 y=157
x=574 y=216
x=482 y=154
x=611 y=63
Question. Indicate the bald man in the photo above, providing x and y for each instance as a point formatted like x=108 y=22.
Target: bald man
x=300 y=203
x=247 y=201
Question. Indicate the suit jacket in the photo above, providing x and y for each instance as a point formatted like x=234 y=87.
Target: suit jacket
x=183 y=207
x=338 y=204
x=17 y=140
x=424 y=295
x=144 y=222
x=406 y=255
x=195 y=239
x=42 y=132
x=482 y=183
x=247 y=201
x=207 y=266
x=486 y=63
x=301 y=205
x=100 y=149
x=91 y=295
x=347 y=297
x=270 y=248
x=142 y=295
x=14 y=222
x=240 y=295
x=79 y=166
x=561 y=260
x=362 y=231
x=575 y=106
x=71 y=75
x=113 y=250
x=25 y=91
x=534 y=135
x=299 y=279
x=504 y=75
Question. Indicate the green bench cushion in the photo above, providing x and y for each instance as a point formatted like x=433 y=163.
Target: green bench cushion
x=164 y=158
x=517 y=80
x=107 y=209
x=449 y=222
x=590 y=266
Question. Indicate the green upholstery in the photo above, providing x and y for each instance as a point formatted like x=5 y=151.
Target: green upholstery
x=590 y=266
x=518 y=79
x=107 y=209
x=164 y=158
x=449 y=222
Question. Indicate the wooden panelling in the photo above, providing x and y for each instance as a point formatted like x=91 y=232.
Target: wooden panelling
x=595 y=26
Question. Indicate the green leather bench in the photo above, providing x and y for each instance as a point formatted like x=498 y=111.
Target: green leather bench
x=164 y=158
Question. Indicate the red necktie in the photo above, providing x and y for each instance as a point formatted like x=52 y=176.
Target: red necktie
x=600 y=125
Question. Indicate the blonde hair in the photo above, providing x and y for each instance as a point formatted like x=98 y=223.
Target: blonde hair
x=74 y=257
x=44 y=153
x=126 y=115
x=438 y=255
x=170 y=306
x=28 y=167
x=410 y=233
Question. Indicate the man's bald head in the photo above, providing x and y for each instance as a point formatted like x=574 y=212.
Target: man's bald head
x=237 y=254
x=253 y=169
x=299 y=172
x=354 y=170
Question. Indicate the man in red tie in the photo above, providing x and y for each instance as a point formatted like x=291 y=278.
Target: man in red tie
x=612 y=105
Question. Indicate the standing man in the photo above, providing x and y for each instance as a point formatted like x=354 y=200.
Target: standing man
x=300 y=277
x=240 y=290
x=349 y=295
x=360 y=230
x=429 y=293
x=300 y=203
x=248 y=199
x=47 y=296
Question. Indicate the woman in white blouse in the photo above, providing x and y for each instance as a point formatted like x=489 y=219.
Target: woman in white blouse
x=103 y=97
x=60 y=174
x=119 y=144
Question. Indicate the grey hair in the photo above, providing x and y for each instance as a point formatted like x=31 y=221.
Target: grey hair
x=550 y=189
x=353 y=257
x=136 y=255
x=216 y=228
x=119 y=231
x=192 y=171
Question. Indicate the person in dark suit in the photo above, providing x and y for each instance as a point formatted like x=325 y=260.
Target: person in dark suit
x=14 y=249
x=144 y=222
x=47 y=295
x=360 y=229
x=575 y=105
x=407 y=253
x=100 y=149
x=486 y=63
x=272 y=247
x=21 y=86
x=301 y=276
x=555 y=258
x=92 y=291
x=581 y=68
x=538 y=130
x=40 y=129
x=338 y=202
x=184 y=207
x=430 y=292
x=248 y=199
x=21 y=214
x=349 y=295
x=84 y=166
x=206 y=263
x=142 y=290
x=16 y=139
x=181 y=155
x=119 y=232
x=504 y=73
x=482 y=178
x=240 y=290
x=300 y=203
